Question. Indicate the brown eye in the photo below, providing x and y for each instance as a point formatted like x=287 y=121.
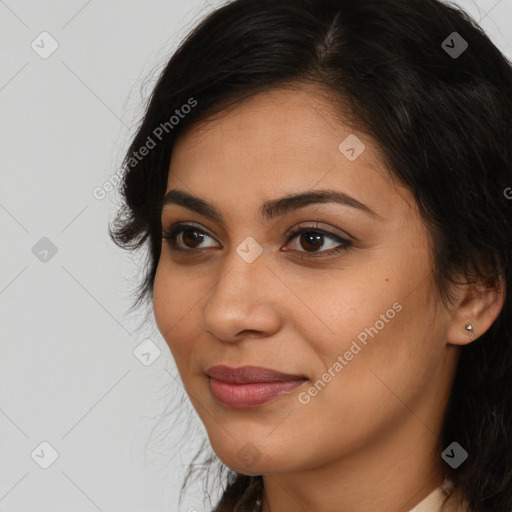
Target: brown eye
x=310 y=242
x=192 y=237
x=185 y=237
x=312 y=239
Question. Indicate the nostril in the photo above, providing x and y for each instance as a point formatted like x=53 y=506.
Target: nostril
x=252 y=333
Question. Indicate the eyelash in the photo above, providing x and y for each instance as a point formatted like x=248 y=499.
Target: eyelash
x=171 y=234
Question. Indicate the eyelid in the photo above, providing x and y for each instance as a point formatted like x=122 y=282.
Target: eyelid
x=177 y=228
x=170 y=234
x=317 y=226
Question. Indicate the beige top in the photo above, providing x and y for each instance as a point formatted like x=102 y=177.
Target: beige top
x=434 y=501
x=455 y=501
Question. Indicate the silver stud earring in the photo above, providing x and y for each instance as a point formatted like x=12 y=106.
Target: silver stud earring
x=470 y=330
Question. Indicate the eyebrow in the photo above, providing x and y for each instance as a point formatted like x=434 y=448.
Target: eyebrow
x=273 y=208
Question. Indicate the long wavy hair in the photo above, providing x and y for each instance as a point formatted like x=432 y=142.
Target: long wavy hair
x=442 y=120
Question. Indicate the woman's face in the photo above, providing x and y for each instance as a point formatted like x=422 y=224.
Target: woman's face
x=355 y=323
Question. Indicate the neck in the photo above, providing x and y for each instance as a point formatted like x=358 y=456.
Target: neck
x=393 y=474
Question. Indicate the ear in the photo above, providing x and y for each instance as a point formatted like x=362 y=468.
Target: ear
x=480 y=306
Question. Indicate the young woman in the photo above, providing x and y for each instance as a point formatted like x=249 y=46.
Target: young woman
x=324 y=190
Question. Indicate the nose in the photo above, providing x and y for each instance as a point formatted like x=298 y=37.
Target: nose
x=244 y=301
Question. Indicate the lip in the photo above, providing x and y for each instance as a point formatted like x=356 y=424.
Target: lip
x=249 y=386
x=249 y=374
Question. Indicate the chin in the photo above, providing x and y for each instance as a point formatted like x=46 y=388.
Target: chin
x=252 y=457
x=245 y=458
x=253 y=470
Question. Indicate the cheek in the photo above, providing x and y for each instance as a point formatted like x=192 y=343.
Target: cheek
x=351 y=310
x=175 y=307
x=381 y=346
x=161 y=305
x=370 y=320
x=169 y=305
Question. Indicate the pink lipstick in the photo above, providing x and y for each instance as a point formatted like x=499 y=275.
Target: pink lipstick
x=249 y=386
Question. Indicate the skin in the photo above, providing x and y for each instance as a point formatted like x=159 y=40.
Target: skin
x=369 y=440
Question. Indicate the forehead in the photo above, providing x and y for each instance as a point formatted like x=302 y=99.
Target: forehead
x=272 y=124
x=276 y=143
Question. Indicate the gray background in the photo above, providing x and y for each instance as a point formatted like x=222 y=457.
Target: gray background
x=69 y=374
